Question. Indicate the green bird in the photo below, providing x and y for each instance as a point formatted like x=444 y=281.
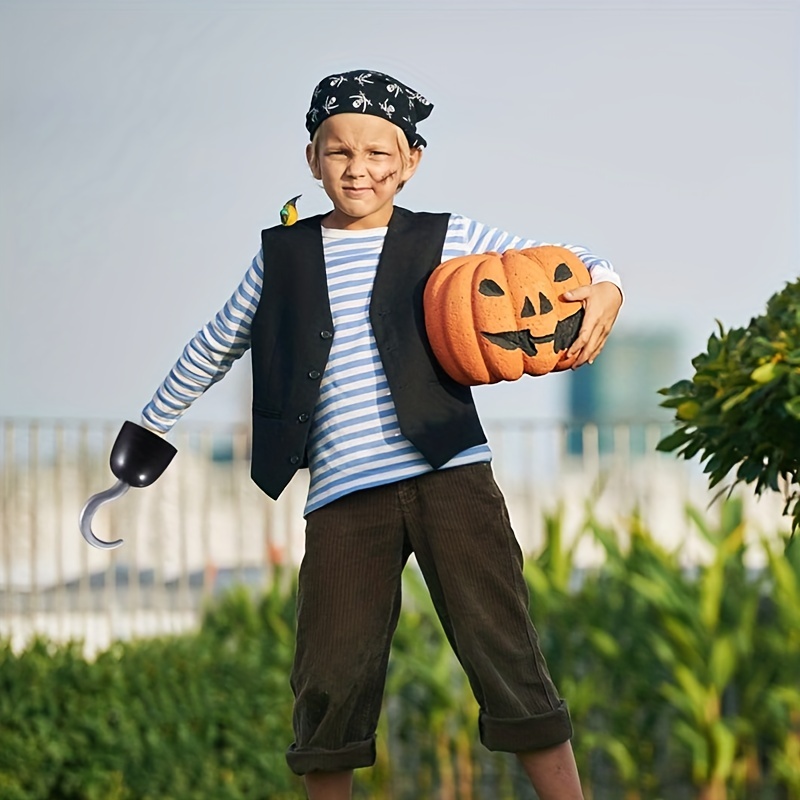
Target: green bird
x=289 y=213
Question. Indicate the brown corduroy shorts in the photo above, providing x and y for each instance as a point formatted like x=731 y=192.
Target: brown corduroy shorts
x=456 y=523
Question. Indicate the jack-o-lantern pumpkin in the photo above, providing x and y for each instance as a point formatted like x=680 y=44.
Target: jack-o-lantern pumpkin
x=493 y=317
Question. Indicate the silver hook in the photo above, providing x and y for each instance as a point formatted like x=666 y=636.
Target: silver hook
x=88 y=512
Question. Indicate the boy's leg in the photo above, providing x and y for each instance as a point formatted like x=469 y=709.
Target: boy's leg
x=329 y=785
x=347 y=608
x=472 y=564
x=553 y=772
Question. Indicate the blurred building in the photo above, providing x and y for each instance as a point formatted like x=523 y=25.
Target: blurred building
x=622 y=387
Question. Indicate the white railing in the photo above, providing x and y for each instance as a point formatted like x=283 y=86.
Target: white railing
x=204 y=525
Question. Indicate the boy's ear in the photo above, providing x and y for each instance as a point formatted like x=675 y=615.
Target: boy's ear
x=414 y=158
x=313 y=163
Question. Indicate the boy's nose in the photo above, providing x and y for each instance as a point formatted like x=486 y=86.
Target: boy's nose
x=356 y=167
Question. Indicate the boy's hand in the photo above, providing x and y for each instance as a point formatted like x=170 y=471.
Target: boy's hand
x=601 y=302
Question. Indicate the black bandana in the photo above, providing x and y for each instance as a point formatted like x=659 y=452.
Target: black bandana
x=366 y=92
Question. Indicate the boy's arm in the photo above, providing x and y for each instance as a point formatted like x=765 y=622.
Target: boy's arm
x=601 y=301
x=480 y=238
x=209 y=355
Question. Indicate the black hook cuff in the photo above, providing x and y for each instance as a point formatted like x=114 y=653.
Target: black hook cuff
x=139 y=456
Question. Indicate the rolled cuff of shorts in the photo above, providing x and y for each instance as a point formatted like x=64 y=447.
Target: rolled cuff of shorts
x=315 y=759
x=530 y=733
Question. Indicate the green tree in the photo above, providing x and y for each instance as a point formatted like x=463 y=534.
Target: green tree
x=741 y=408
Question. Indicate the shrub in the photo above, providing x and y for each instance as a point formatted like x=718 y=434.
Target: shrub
x=741 y=408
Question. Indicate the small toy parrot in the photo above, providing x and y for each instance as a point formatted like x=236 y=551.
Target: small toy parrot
x=289 y=211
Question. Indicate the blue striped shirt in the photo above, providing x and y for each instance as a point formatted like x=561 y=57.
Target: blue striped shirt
x=354 y=441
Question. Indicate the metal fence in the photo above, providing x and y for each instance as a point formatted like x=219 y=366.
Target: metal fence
x=204 y=526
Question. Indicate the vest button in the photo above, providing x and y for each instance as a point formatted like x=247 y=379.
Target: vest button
x=302 y=417
x=294 y=460
x=325 y=335
x=314 y=374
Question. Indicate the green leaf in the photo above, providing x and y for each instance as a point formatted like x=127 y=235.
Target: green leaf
x=687 y=410
x=738 y=399
x=750 y=469
x=792 y=406
x=673 y=441
x=678 y=389
x=722 y=662
x=724 y=750
x=765 y=373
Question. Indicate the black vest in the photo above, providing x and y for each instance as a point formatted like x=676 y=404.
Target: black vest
x=291 y=339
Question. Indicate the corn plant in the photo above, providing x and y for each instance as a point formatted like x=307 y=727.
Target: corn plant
x=773 y=693
x=681 y=684
x=624 y=726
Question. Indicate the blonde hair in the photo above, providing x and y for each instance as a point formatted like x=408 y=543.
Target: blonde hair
x=402 y=145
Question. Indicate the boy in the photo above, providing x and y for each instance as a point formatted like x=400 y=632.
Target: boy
x=344 y=382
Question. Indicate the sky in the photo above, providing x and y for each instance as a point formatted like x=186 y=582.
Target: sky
x=144 y=145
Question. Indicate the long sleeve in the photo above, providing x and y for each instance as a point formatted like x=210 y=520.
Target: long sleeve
x=466 y=236
x=209 y=355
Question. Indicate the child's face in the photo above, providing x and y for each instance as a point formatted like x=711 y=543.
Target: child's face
x=361 y=166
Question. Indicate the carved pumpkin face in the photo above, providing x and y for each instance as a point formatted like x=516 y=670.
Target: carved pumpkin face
x=495 y=317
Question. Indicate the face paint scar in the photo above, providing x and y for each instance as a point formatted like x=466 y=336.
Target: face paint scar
x=387 y=177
